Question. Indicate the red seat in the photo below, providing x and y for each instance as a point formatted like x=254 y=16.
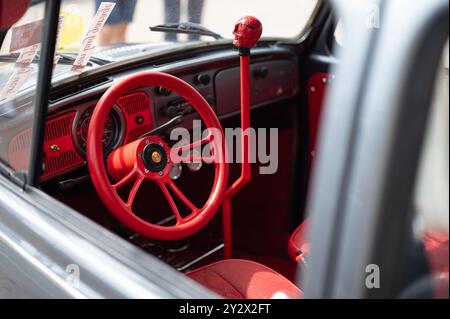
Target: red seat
x=11 y=13
x=238 y=278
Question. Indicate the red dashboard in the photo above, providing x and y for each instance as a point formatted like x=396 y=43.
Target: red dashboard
x=137 y=112
x=65 y=134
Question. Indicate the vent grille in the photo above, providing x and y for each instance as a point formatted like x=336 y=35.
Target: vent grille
x=59 y=150
x=135 y=133
x=59 y=127
x=65 y=93
x=60 y=162
x=136 y=108
x=135 y=103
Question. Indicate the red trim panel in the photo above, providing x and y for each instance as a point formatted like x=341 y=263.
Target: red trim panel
x=317 y=85
x=436 y=247
x=298 y=245
x=59 y=151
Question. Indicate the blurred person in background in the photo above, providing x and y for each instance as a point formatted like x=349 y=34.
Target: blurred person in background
x=115 y=28
x=172 y=15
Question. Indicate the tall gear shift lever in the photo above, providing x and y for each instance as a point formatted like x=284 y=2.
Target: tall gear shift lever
x=247 y=32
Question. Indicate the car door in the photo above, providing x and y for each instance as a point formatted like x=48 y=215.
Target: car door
x=370 y=144
x=48 y=250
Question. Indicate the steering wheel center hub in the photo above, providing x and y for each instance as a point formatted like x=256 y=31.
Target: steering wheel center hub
x=154 y=157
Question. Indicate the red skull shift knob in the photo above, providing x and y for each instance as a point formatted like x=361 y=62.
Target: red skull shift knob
x=247 y=32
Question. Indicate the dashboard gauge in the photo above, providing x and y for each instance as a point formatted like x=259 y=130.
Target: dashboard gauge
x=111 y=130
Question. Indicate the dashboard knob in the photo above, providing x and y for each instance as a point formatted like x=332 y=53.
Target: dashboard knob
x=139 y=120
x=171 y=111
x=163 y=91
x=260 y=72
x=203 y=79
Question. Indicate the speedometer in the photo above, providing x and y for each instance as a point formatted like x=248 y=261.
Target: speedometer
x=111 y=130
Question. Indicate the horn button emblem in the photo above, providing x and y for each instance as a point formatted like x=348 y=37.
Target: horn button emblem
x=154 y=157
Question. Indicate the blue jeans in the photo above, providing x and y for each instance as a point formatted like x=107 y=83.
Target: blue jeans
x=172 y=15
x=122 y=13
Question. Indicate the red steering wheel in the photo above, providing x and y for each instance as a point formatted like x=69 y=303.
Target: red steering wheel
x=148 y=158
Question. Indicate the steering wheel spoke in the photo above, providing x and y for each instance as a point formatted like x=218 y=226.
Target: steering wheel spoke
x=183 y=198
x=193 y=156
x=191 y=146
x=172 y=204
x=195 y=159
x=134 y=190
x=125 y=180
x=165 y=189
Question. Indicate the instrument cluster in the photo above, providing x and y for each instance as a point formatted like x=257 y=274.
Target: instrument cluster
x=113 y=131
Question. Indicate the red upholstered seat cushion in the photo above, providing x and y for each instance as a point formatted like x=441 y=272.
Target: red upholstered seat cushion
x=238 y=278
x=11 y=12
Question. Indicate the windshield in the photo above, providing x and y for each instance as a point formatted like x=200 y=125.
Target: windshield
x=129 y=20
x=93 y=33
x=126 y=30
x=16 y=112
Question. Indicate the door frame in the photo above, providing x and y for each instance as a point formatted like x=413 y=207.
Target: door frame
x=369 y=148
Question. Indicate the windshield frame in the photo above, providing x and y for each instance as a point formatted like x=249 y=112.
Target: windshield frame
x=31 y=173
x=45 y=71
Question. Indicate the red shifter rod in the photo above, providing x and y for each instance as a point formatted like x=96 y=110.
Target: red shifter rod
x=247 y=32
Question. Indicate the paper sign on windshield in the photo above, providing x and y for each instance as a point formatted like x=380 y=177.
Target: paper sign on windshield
x=22 y=70
x=58 y=35
x=22 y=67
x=26 y=35
x=15 y=82
x=88 y=43
x=27 y=55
